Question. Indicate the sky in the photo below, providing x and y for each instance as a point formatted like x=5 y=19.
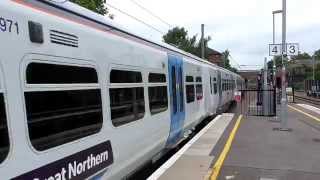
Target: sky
x=242 y=26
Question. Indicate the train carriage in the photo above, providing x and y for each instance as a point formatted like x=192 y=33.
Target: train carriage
x=83 y=98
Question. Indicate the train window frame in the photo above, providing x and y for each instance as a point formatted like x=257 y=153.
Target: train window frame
x=125 y=85
x=162 y=84
x=211 y=85
x=189 y=79
x=190 y=99
x=61 y=87
x=188 y=84
x=199 y=86
x=6 y=114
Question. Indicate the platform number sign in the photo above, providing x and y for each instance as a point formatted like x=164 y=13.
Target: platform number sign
x=275 y=49
x=292 y=49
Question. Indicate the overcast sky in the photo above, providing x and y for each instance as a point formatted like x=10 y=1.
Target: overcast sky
x=242 y=26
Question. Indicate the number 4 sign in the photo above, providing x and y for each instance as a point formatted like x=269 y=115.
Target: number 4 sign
x=275 y=49
x=292 y=49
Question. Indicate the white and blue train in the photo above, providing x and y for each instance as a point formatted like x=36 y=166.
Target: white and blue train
x=82 y=98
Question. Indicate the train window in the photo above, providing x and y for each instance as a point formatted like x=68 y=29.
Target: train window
x=190 y=93
x=189 y=78
x=58 y=117
x=199 y=91
x=4 y=137
x=210 y=85
x=158 y=99
x=120 y=76
x=157 y=78
x=127 y=105
x=181 y=90
x=223 y=85
x=174 y=90
x=215 y=88
x=42 y=73
x=198 y=79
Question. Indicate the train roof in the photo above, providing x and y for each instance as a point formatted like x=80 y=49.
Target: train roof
x=100 y=19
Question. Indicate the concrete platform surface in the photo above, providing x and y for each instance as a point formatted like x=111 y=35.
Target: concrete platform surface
x=261 y=153
x=195 y=162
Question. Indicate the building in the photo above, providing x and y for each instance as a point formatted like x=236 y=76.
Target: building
x=250 y=76
x=215 y=57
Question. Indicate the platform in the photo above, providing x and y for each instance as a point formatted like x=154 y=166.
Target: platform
x=256 y=152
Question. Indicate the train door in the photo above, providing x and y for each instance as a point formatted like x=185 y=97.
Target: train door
x=176 y=99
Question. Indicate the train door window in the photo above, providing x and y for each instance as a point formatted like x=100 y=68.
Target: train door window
x=62 y=110
x=199 y=90
x=126 y=97
x=158 y=97
x=4 y=136
x=222 y=84
x=181 y=90
x=210 y=85
x=190 y=89
x=215 y=87
x=174 y=89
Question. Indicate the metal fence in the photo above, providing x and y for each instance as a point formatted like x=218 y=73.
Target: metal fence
x=257 y=102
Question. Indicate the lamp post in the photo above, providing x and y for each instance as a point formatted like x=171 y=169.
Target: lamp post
x=274 y=41
x=284 y=102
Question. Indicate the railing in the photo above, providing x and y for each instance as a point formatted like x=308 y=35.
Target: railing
x=257 y=102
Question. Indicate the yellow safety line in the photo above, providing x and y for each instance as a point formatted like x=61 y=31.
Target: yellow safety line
x=309 y=115
x=217 y=166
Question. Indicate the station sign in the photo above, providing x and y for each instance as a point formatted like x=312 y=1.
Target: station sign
x=291 y=49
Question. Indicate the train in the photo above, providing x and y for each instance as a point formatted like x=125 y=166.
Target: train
x=83 y=98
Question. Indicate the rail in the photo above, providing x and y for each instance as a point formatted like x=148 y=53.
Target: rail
x=309 y=100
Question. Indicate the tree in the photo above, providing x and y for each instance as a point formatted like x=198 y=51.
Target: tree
x=225 y=59
x=317 y=54
x=97 y=6
x=179 y=38
x=301 y=56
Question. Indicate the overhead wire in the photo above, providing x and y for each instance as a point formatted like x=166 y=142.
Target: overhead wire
x=151 y=13
x=135 y=18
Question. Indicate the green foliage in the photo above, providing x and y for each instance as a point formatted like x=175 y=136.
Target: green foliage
x=225 y=59
x=179 y=38
x=302 y=56
x=278 y=60
x=317 y=54
x=93 y=5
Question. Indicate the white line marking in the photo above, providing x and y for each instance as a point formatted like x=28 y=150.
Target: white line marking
x=311 y=108
x=177 y=155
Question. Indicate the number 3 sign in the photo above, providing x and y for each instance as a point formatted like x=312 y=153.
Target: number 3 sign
x=292 y=49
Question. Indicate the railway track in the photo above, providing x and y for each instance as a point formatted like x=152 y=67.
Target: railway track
x=309 y=100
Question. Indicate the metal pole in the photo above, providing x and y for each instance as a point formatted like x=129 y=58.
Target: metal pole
x=274 y=41
x=265 y=88
x=313 y=75
x=273 y=37
x=284 y=103
x=202 y=41
x=274 y=59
